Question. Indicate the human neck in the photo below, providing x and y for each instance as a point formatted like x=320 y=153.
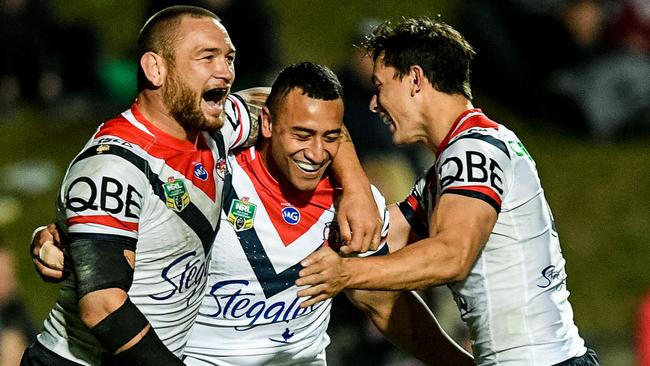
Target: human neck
x=151 y=106
x=441 y=114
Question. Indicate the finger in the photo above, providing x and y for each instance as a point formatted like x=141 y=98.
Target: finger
x=315 y=257
x=51 y=256
x=346 y=250
x=311 y=291
x=376 y=237
x=313 y=301
x=344 y=230
x=52 y=229
x=46 y=273
x=311 y=278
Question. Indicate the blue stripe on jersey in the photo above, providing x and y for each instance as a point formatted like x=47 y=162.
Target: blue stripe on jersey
x=487 y=138
x=191 y=215
x=420 y=228
x=270 y=281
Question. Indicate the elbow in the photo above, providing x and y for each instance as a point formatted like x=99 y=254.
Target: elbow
x=458 y=271
x=96 y=306
x=90 y=316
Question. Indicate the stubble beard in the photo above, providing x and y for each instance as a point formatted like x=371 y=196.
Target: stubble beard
x=185 y=106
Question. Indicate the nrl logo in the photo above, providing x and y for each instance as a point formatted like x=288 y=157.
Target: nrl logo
x=242 y=214
x=176 y=196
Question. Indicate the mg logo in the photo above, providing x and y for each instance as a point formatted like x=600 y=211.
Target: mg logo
x=291 y=215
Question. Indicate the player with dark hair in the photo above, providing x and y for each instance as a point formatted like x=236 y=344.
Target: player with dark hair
x=282 y=209
x=477 y=221
x=140 y=205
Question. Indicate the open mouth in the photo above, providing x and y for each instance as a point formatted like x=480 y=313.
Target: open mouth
x=215 y=96
x=387 y=120
x=309 y=168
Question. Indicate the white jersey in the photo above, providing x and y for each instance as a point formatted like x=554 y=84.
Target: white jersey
x=134 y=182
x=250 y=314
x=515 y=299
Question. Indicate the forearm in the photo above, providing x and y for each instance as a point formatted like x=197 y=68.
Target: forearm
x=346 y=166
x=420 y=265
x=123 y=330
x=405 y=320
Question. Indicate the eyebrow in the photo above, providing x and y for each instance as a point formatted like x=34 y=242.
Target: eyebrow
x=313 y=132
x=217 y=50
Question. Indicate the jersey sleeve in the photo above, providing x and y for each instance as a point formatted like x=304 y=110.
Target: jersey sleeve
x=102 y=193
x=419 y=202
x=476 y=165
x=236 y=129
x=383 y=212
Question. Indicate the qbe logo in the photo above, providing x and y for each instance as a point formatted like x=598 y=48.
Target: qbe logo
x=291 y=215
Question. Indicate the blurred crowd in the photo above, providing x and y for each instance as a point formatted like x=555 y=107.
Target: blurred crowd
x=582 y=66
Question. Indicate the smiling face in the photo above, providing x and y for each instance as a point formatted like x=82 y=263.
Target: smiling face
x=200 y=75
x=392 y=101
x=302 y=139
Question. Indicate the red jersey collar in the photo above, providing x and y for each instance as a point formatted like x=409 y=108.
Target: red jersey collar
x=163 y=137
x=454 y=129
x=252 y=158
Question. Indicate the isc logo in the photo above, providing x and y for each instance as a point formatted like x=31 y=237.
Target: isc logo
x=291 y=215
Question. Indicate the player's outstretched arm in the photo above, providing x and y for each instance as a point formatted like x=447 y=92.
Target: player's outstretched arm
x=47 y=254
x=459 y=228
x=405 y=320
x=357 y=214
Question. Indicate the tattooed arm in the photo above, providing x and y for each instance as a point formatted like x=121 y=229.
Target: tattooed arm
x=255 y=99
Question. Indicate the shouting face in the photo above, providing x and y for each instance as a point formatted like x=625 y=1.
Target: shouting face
x=200 y=75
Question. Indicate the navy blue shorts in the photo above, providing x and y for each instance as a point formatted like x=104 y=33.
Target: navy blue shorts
x=37 y=355
x=588 y=359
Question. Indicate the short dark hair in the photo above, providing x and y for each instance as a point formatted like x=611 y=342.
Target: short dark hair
x=159 y=33
x=440 y=50
x=315 y=80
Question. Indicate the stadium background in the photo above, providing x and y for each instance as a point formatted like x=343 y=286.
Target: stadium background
x=598 y=190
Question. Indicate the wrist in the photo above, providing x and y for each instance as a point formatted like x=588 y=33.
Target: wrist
x=36 y=231
x=347 y=272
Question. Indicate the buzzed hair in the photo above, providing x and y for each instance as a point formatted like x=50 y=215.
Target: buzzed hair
x=314 y=80
x=440 y=50
x=159 y=34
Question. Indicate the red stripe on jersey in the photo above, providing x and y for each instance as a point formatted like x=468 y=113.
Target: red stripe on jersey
x=181 y=155
x=481 y=189
x=310 y=205
x=479 y=120
x=104 y=220
x=417 y=208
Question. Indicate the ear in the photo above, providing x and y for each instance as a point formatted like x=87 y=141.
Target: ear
x=417 y=79
x=266 y=124
x=154 y=68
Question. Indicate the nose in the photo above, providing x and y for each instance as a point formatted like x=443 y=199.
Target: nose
x=224 y=69
x=374 y=107
x=316 y=152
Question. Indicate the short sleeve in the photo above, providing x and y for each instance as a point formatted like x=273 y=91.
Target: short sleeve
x=103 y=193
x=476 y=165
